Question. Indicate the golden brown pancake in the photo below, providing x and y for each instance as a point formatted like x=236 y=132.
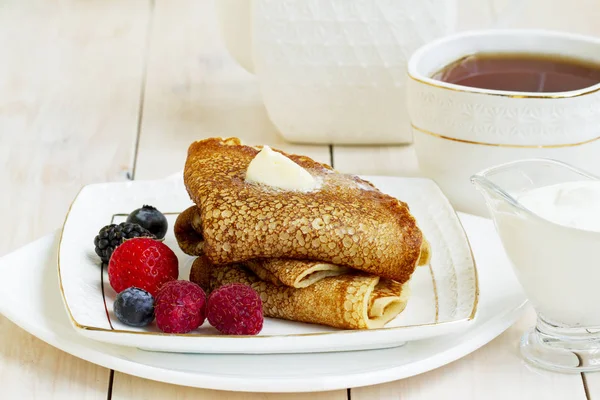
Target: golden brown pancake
x=280 y=271
x=346 y=222
x=293 y=273
x=349 y=301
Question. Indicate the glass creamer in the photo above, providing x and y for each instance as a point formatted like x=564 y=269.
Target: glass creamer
x=548 y=216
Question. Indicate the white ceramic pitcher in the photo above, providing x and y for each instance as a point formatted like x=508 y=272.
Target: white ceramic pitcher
x=334 y=71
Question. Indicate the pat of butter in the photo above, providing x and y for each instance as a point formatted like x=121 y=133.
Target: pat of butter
x=276 y=170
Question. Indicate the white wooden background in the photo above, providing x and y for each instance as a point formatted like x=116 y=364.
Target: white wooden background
x=106 y=90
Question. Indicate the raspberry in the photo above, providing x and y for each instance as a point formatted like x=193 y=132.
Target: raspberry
x=235 y=309
x=180 y=307
x=144 y=263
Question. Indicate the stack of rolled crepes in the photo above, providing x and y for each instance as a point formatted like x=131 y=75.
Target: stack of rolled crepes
x=340 y=255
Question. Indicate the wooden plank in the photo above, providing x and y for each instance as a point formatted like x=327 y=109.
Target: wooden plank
x=196 y=90
x=376 y=160
x=69 y=91
x=30 y=368
x=129 y=387
x=496 y=371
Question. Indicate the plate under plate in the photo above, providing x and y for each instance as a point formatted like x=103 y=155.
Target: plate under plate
x=32 y=270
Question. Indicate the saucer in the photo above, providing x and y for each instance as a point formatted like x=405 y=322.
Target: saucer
x=31 y=270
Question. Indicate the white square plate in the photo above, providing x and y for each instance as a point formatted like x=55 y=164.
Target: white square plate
x=444 y=294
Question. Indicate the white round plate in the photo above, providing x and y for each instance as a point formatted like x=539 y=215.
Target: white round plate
x=30 y=281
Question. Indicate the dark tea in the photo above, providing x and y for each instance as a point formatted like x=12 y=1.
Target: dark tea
x=521 y=73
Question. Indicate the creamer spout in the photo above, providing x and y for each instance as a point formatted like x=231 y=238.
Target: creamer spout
x=496 y=197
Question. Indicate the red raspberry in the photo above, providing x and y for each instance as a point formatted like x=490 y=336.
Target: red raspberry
x=144 y=263
x=180 y=307
x=235 y=309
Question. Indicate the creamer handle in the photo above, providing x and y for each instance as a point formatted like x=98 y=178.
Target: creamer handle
x=235 y=22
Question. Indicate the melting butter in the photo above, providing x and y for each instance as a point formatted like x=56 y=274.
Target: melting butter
x=276 y=170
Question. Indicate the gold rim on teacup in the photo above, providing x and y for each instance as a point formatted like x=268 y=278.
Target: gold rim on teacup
x=514 y=146
x=415 y=75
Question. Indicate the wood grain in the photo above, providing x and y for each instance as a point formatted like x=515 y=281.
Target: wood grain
x=59 y=127
x=71 y=77
x=32 y=369
x=69 y=89
x=496 y=371
x=127 y=387
x=194 y=90
x=376 y=160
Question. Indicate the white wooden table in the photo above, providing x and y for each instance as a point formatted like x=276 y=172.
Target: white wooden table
x=106 y=90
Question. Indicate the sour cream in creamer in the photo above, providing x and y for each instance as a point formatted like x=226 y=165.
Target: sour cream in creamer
x=572 y=204
x=557 y=256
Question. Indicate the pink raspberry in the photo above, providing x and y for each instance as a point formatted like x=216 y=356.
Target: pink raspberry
x=180 y=307
x=235 y=309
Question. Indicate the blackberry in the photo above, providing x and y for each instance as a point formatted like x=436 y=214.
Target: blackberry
x=150 y=218
x=113 y=235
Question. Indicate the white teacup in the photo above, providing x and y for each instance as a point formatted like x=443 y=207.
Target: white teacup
x=460 y=130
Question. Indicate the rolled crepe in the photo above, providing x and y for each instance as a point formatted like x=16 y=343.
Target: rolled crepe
x=349 y=301
x=293 y=273
x=188 y=230
x=279 y=271
x=346 y=221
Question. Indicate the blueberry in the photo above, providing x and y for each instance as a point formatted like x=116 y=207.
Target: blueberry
x=151 y=219
x=134 y=307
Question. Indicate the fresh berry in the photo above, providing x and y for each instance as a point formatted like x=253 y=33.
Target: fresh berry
x=144 y=263
x=150 y=218
x=180 y=307
x=235 y=309
x=111 y=236
x=134 y=307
